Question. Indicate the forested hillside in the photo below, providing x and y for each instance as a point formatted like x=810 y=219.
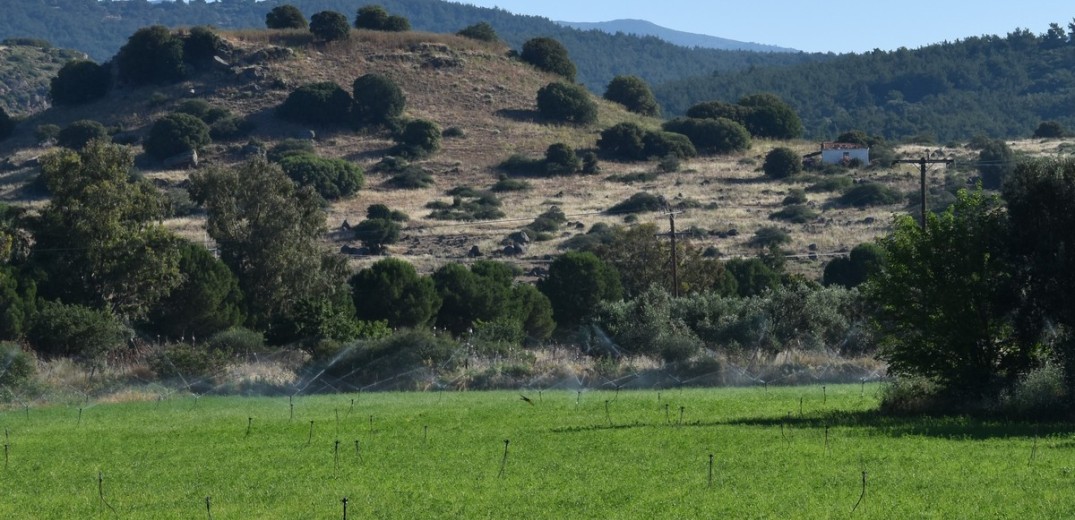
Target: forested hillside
x=100 y=28
x=1001 y=86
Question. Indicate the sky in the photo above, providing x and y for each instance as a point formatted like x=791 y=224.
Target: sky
x=828 y=26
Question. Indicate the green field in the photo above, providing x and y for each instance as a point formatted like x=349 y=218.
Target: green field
x=571 y=455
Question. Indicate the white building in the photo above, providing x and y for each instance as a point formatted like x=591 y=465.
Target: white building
x=844 y=153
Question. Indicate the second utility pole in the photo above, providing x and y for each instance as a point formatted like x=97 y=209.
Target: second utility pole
x=922 y=164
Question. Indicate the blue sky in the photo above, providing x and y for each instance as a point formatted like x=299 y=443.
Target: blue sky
x=834 y=25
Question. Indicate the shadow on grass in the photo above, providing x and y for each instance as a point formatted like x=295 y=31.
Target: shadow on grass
x=522 y=116
x=954 y=427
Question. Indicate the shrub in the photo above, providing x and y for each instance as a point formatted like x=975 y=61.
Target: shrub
x=79 y=81
x=79 y=133
x=229 y=128
x=869 y=194
x=831 y=183
x=548 y=55
x=997 y=162
x=174 y=134
x=669 y=163
x=576 y=284
x=331 y=178
x=795 y=196
x=483 y=207
x=382 y=211
x=504 y=185
x=623 y=140
x=768 y=236
x=665 y=144
x=16 y=366
x=420 y=138
x=589 y=163
x=795 y=213
x=196 y=107
x=718 y=136
x=715 y=110
x=377 y=99
x=323 y=103
x=561 y=158
x=1050 y=130
x=782 y=162
x=634 y=94
x=391 y=290
x=864 y=260
x=290 y=147
x=752 y=276
x=61 y=330
x=566 y=103
x=412 y=177
x=207 y=301
x=769 y=116
x=329 y=26
x=375 y=18
x=453 y=132
x=640 y=202
x=237 y=340
x=151 y=55
x=285 y=17
x=201 y=45
x=376 y=233
x=47 y=132
x=1037 y=394
x=480 y=31
x=188 y=363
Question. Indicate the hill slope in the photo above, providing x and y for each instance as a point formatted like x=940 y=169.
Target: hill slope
x=686 y=39
x=26 y=67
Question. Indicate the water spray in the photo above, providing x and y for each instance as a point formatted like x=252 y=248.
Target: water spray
x=504 y=461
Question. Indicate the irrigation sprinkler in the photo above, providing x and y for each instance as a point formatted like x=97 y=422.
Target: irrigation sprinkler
x=504 y=461
x=310 y=437
x=26 y=408
x=607 y=415
x=425 y=434
x=358 y=450
x=766 y=385
x=681 y=410
x=710 y=482
x=800 y=407
x=291 y=405
x=1033 y=452
x=352 y=407
x=6 y=448
x=101 y=491
x=826 y=438
x=371 y=424
x=578 y=397
x=337 y=422
x=862 y=387
x=336 y=459
x=344 y=501
x=249 y=423
x=824 y=395
x=79 y=417
x=667 y=417
x=209 y=507
x=863 y=495
x=539 y=396
x=658 y=397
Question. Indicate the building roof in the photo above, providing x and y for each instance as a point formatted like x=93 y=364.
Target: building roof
x=844 y=146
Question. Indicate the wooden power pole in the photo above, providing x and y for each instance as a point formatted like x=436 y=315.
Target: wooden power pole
x=922 y=165
x=675 y=260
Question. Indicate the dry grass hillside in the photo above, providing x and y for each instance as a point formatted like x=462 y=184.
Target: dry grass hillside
x=478 y=89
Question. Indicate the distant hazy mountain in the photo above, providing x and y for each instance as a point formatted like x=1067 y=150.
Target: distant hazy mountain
x=686 y=39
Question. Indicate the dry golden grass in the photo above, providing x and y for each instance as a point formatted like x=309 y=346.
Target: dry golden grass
x=477 y=88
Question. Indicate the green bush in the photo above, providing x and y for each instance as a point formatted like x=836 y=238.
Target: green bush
x=47 y=132
x=997 y=162
x=329 y=26
x=831 y=183
x=869 y=194
x=795 y=213
x=563 y=102
x=383 y=212
x=505 y=185
x=782 y=162
x=768 y=236
x=420 y=138
x=634 y=94
x=480 y=31
x=376 y=233
x=285 y=17
x=290 y=147
x=716 y=110
x=151 y=55
x=665 y=144
x=375 y=18
x=624 y=141
x=331 y=178
x=770 y=117
x=79 y=81
x=795 y=196
x=548 y=55
x=712 y=136
x=1050 y=130
x=229 y=128
x=412 y=177
x=207 y=301
x=189 y=364
x=79 y=133
x=174 y=134
x=391 y=290
x=323 y=103
x=16 y=365
x=576 y=285
x=60 y=330
x=377 y=99
x=640 y=202
x=483 y=207
x=519 y=164
x=201 y=45
x=1037 y=394
x=237 y=340
x=561 y=158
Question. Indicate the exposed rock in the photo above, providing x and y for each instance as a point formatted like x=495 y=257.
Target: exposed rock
x=519 y=237
x=188 y=159
x=474 y=252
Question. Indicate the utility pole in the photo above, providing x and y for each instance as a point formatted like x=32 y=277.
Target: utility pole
x=675 y=260
x=922 y=165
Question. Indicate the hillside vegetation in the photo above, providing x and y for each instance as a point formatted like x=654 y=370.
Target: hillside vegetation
x=26 y=66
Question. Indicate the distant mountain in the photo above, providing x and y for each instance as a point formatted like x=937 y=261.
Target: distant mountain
x=685 y=39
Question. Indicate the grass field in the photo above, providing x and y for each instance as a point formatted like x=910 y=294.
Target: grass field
x=638 y=454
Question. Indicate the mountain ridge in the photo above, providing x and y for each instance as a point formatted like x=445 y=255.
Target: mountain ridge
x=682 y=38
